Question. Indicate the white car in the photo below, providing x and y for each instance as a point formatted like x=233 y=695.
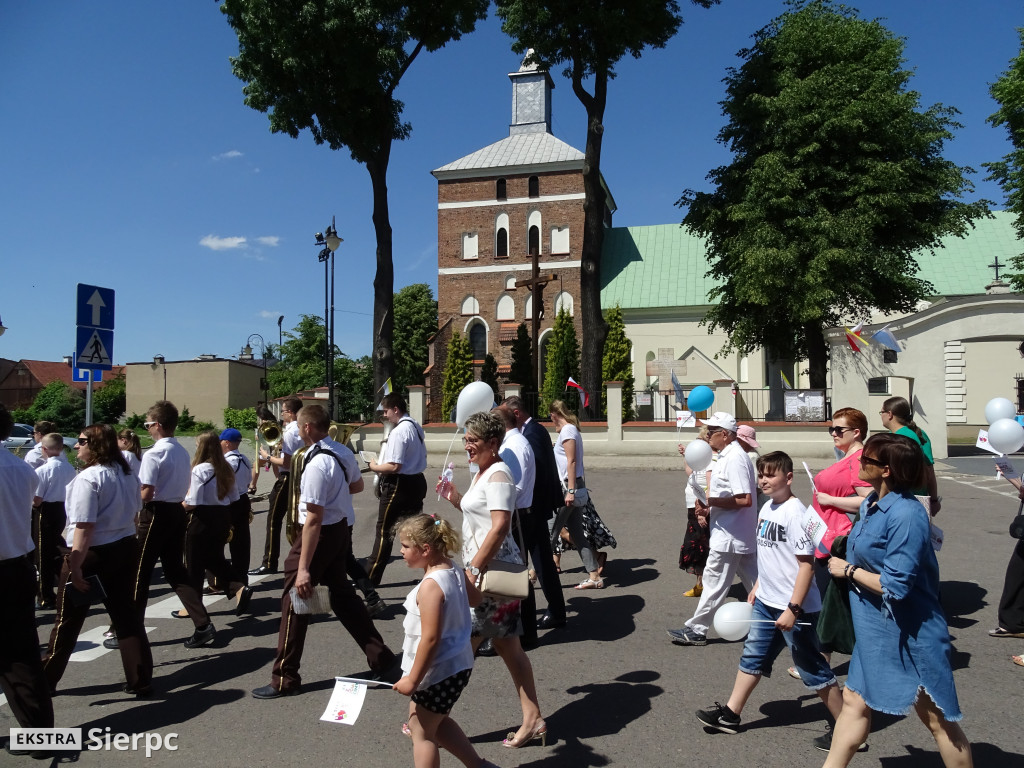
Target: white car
x=21 y=440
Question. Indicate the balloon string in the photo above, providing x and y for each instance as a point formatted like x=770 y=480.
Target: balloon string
x=761 y=621
x=449 y=453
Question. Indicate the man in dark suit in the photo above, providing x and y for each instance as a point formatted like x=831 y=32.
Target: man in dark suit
x=547 y=497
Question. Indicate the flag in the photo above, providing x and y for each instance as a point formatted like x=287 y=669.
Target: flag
x=679 y=390
x=853 y=336
x=884 y=337
x=572 y=383
x=386 y=386
x=785 y=380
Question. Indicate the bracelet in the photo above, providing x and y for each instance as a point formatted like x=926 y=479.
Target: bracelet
x=846 y=571
x=796 y=610
x=853 y=570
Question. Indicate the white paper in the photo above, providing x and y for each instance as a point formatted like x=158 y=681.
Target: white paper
x=368 y=456
x=983 y=442
x=346 y=702
x=810 y=477
x=698 y=491
x=319 y=602
x=814 y=527
x=685 y=419
x=1006 y=468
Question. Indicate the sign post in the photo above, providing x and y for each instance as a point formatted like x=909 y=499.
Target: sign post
x=94 y=343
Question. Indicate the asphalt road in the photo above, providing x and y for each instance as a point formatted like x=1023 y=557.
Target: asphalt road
x=612 y=687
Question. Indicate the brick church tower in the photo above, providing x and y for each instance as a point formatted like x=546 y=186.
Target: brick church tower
x=497 y=207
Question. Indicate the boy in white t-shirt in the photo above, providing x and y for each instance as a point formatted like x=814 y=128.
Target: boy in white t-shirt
x=785 y=601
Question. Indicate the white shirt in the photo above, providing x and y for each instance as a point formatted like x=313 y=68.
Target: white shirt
x=454 y=652
x=291 y=440
x=243 y=472
x=134 y=462
x=165 y=466
x=106 y=497
x=325 y=482
x=733 y=530
x=482 y=497
x=34 y=458
x=568 y=432
x=17 y=487
x=780 y=538
x=405 y=446
x=516 y=452
x=54 y=477
x=202 y=489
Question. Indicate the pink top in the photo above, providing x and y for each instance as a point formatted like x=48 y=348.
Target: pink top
x=840 y=479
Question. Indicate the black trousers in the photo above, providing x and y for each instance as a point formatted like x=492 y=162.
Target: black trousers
x=48 y=522
x=327 y=567
x=162 y=537
x=275 y=519
x=401 y=496
x=1011 y=603
x=113 y=564
x=206 y=533
x=533 y=532
x=232 y=576
x=21 y=671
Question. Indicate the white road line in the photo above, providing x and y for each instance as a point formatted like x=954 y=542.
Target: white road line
x=982 y=486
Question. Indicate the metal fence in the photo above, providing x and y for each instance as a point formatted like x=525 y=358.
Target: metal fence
x=751 y=405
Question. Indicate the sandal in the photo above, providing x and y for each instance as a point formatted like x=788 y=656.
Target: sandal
x=1000 y=632
x=1018 y=660
x=590 y=584
x=406 y=731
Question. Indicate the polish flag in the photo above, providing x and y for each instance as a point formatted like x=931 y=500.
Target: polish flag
x=572 y=383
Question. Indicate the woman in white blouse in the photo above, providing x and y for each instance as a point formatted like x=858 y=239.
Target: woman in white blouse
x=487 y=509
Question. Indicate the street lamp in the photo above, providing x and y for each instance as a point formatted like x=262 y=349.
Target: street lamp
x=247 y=349
x=2 y=329
x=329 y=242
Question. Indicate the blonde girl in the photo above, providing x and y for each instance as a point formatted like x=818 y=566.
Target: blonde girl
x=438 y=657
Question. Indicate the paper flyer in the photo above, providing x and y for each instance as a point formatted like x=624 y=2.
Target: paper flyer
x=984 y=444
x=1006 y=468
x=346 y=702
x=698 y=491
x=815 y=528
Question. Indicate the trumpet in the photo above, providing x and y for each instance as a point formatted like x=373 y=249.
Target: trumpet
x=269 y=436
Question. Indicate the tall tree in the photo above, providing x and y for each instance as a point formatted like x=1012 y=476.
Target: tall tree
x=301 y=363
x=562 y=361
x=1008 y=91
x=590 y=38
x=458 y=372
x=837 y=180
x=415 y=322
x=354 y=388
x=617 y=363
x=489 y=373
x=332 y=66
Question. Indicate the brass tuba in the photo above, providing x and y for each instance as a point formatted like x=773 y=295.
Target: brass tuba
x=293 y=529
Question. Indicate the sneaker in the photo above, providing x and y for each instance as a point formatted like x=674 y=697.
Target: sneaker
x=720 y=718
x=687 y=636
x=202 y=637
x=376 y=607
x=824 y=742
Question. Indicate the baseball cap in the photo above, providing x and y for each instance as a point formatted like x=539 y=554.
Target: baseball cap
x=721 y=419
x=232 y=435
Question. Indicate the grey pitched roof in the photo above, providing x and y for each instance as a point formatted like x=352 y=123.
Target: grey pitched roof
x=518 y=150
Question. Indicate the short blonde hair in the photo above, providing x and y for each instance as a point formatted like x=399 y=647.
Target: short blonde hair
x=558 y=408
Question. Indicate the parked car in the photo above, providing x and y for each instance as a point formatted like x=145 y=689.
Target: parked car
x=21 y=440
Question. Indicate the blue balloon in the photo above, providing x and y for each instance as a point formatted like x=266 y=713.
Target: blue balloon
x=700 y=398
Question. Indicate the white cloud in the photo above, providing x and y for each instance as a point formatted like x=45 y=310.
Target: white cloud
x=215 y=243
x=231 y=154
x=270 y=240
x=266 y=314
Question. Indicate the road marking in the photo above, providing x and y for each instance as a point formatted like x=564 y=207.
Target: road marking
x=982 y=486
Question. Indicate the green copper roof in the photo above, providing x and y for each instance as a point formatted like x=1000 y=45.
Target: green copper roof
x=665 y=266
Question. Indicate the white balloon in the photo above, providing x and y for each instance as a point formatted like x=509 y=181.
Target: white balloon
x=732 y=620
x=1006 y=435
x=698 y=455
x=475 y=397
x=999 y=408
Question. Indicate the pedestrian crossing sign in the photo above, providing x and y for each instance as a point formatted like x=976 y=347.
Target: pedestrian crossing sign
x=94 y=348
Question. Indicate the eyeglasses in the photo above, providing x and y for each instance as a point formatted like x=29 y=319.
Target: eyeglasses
x=149 y=424
x=470 y=440
x=714 y=430
x=882 y=413
x=838 y=431
x=82 y=441
x=873 y=462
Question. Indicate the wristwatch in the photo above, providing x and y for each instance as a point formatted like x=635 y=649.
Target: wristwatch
x=473 y=569
x=796 y=610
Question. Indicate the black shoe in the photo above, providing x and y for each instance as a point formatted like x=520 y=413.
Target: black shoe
x=390 y=675
x=720 y=718
x=45 y=605
x=111 y=644
x=687 y=636
x=263 y=570
x=177 y=614
x=201 y=637
x=244 y=596
x=547 y=621
x=270 y=692
x=486 y=648
x=529 y=645
x=824 y=742
x=139 y=693
x=376 y=607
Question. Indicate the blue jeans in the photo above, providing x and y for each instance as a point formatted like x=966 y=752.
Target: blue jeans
x=765 y=642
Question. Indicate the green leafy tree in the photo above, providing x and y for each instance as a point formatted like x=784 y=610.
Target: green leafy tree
x=617 y=364
x=415 y=322
x=837 y=179
x=242 y=419
x=562 y=361
x=458 y=372
x=109 y=401
x=1008 y=92
x=589 y=38
x=61 y=404
x=489 y=373
x=521 y=369
x=301 y=363
x=332 y=67
x=354 y=387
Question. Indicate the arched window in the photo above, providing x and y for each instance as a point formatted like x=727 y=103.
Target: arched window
x=470 y=306
x=528 y=307
x=545 y=337
x=510 y=283
x=564 y=301
x=649 y=358
x=506 y=308
x=478 y=340
x=499 y=189
x=533 y=233
x=534 y=186
x=501 y=236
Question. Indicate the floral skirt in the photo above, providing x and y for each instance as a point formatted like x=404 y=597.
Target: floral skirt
x=497 y=618
x=598 y=534
x=693 y=555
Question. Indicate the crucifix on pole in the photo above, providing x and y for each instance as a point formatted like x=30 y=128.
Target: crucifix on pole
x=536 y=285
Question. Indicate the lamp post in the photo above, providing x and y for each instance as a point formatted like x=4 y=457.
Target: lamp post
x=247 y=349
x=329 y=243
x=2 y=329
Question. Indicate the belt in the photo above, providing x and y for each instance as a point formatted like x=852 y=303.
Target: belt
x=524 y=510
x=18 y=559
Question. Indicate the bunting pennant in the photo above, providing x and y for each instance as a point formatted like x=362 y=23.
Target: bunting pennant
x=572 y=383
x=853 y=337
x=785 y=380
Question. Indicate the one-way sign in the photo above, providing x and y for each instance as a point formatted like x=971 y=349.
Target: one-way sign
x=95 y=307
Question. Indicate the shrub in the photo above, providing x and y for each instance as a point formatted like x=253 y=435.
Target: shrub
x=242 y=419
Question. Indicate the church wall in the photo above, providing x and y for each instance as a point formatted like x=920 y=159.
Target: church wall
x=472 y=190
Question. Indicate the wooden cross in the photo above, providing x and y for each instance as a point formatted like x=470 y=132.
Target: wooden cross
x=996 y=265
x=663 y=366
x=536 y=285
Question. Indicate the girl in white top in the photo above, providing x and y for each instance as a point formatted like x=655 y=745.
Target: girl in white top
x=438 y=657
x=131 y=449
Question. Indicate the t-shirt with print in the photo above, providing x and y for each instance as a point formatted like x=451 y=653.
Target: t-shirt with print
x=780 y=538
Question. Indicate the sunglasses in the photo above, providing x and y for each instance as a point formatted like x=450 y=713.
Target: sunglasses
x=149 y=424
x=838 y=431
x=873 y=462
x=82 y=441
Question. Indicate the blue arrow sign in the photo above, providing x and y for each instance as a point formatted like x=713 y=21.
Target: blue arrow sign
x=95 y=307
x=94 y=349
x=82 y=374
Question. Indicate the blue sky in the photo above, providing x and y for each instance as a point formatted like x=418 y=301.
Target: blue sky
x=129 y=161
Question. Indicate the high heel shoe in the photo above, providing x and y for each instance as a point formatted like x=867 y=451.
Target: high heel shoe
x=540 y=731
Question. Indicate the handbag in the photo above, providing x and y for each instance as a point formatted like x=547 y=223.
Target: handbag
x=835 y=623
x=1017 y=524
x=503 y=580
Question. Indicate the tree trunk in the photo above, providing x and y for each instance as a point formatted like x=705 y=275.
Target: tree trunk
x=817 y=355
x=595 y=329
x=384 y=281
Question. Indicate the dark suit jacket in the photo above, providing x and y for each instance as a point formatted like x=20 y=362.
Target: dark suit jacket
x=547 y=491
